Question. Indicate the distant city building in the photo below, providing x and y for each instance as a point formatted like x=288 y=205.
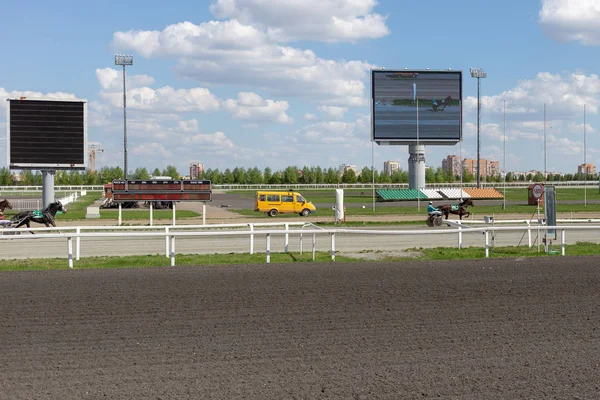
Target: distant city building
x=451 y=164
x=487 y=168
x=345 y=167
x=196 y=170
x=586 y=169
x=389 y=167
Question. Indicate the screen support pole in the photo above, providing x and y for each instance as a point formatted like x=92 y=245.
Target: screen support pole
x=47 y=187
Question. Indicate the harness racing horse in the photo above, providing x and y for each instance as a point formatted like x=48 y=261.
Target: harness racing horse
x=45 y=216
x=459 y=209
x=4 y=204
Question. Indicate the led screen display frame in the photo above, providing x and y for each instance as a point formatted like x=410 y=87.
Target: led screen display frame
x=46 y=134
x=395 y=119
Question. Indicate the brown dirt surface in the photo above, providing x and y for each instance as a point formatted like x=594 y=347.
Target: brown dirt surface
x=478 y=329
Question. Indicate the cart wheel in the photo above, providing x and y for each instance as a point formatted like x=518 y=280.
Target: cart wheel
x=429 y=222
x=437 y=221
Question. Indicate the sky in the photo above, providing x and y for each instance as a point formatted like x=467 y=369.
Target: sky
x=257 y=83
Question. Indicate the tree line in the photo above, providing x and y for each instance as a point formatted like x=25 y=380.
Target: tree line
x=289 y=175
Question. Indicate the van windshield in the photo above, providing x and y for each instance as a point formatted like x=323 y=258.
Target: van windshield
x=300 y=199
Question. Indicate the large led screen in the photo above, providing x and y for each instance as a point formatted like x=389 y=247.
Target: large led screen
x=47 y=134
x=416 y=105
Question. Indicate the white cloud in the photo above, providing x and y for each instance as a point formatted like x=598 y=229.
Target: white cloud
x=310 y=117
x=250 y=106
x=151 y=149
x=571 y=20
x=232 y=53
x=164 y=99
x=333 y=111
x=564 y=95
x=212 y=141
x=321 y=20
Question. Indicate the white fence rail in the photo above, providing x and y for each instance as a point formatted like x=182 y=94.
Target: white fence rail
x=36 y=204
x=169 y=233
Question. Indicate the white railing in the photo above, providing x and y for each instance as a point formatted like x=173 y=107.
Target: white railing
x=36 y=204
x=171 y=232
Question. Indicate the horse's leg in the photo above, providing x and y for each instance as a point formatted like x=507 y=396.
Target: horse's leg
x=29 y=227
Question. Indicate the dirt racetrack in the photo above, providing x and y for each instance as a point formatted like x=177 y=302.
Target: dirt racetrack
x=480 y=329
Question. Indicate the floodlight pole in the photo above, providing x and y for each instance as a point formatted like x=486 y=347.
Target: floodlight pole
x=584 y=162
x=504 y=161
x=478 y=73
x=545 y=169
x=123 y=59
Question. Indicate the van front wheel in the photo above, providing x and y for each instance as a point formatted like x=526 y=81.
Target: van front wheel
x=273 y=213
x=305 y=212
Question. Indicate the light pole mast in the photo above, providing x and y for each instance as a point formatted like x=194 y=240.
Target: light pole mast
x=478 y=73
x=124 y=60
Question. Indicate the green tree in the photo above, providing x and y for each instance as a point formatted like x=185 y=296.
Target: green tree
x=276 y=178
x=5 y=177
x=332 y=176
x=319 y=176
x=349 y=176
x=267 y=175
x=156 y=172
x=172 y=172
x=228 y=177
x=290 y=175
x=366 y=175
x=240 y=175
x=74 y=178
x=141 y=174
x=255 y=176
x=429 y=175
x=468 y=175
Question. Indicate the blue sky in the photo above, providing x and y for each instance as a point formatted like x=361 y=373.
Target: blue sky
x=286 y=82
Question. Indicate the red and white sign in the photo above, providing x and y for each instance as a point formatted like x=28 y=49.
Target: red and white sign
x=538 y=191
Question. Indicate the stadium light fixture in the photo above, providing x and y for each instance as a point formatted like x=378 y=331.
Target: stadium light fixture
x=478 y=73
x=124 y=60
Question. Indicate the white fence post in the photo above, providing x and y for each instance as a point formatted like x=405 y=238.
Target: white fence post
x=529 y=233
x=487 y=247
x=172 y=251
x=460 y=235
x=77 y=244
x=268 y=248
x=151 y=212
x=562 y=242
x=174 y=213
x=203 y=213
x=287 y=237
x=70 y=251
x=166 y=241
x=119 y=222
x=251 y=238
x=333 y=247
x=314 y=245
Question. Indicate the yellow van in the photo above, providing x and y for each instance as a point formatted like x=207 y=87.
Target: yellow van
x=274 y=203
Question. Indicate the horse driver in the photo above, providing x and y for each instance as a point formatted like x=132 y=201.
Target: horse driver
x=431 y=210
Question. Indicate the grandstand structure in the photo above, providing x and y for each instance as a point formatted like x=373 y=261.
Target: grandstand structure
x=438 y=194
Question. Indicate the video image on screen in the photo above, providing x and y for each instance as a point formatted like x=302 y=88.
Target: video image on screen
x=395 y=98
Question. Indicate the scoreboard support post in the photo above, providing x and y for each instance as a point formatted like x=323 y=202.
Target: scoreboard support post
x=47 y=187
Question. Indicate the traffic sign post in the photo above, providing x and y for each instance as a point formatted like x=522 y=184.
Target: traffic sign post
x=535 y=194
